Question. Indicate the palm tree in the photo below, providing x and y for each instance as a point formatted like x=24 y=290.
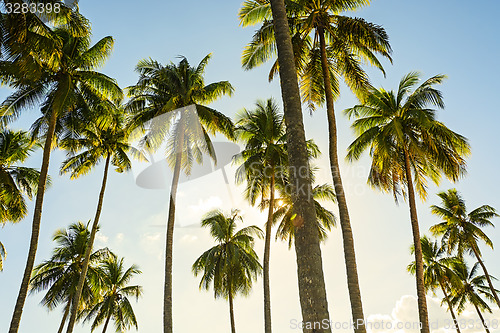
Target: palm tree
x=311 y=280
x=408 y=145
x=15 y=148
x=462 y=230
x=177 y=95
x=105 y=138
x=3 y=254
x=285 y=213
x=262 y=161
x=60 y=274
x=326 y=46
x=471 y=290
x=438 y=272
x=115 y=291
x=72 y=82
x=232 y=265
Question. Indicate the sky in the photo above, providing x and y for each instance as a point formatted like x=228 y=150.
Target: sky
x=449 y=37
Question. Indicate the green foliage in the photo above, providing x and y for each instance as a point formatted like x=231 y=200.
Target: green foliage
x=395 y=125
x=114 y=293
x=15 y=180
x=232 y=265
x=461 y=230
x=60 y=274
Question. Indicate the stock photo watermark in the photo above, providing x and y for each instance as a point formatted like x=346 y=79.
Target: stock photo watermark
x=388 y=325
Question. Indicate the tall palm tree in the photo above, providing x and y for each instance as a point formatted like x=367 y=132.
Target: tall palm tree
x=15 y=180
x=73 y=82
x=103 y=139
x=408 y=146
x=438 y=272
x=285 y=213
x=232 y=265
x=262 y=161
x=114 y=303
x=178 y=95
x=462 y=230
x=327 y=46
x=311 y=280
x=471 y=290
x=60 y=274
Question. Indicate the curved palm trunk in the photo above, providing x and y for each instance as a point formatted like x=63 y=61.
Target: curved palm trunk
x=345 y=223
x=267 y=252
x=167 y=298
x=311 y=281
x=419 y=263
x=35 y=229
x=488 y=278
x=65 y=315
x=450 y=307
x=231 y=313
x=106 y=323
x=482 y=319
x=88 y=250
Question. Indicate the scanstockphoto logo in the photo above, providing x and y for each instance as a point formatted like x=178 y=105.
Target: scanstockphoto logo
x=46 y=10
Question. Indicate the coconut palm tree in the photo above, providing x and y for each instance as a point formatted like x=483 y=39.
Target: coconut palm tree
x=232 y=265
x=103 y=139
x=462 y=230
x=114 y=303
x=327 y=47
x=262 y=161
x=60 y=274
x=284 y=213
x=15 y=180
x=438 y=272
x=72 y=82
x=311 y=279
x=471 y=291
x=408 y=146
x=172 y=100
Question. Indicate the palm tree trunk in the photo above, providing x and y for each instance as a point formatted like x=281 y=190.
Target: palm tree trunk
x=482 y=319
x=419 y=264
x=267 y=252
x=88 y=250
x=345 y=223
x=106 y=323
x=447 y=298
x=488 y=278
x=65 y=315
x=35 y=229
x=231 y=313
x=311 y=280
x=167 y=298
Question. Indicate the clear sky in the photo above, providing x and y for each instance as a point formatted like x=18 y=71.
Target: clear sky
x=453 y=37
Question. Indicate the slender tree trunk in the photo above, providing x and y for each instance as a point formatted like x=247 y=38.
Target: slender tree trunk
x=488 y=278
x=35 y=229
x=345 y=223
x=106 y=323
x=311 y=280
x=231 y=313
x=482 y=319
x=65 y=315
x=419 y=264
x=267 y=252
x=447 y=298
x=88 y=250
x=167 y=298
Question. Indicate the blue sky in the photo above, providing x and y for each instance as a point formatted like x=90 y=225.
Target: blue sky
x=450 y=37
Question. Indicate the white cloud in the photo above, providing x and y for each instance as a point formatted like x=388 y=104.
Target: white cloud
x=101 y=239
x=404 y=318
x=187 y=239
